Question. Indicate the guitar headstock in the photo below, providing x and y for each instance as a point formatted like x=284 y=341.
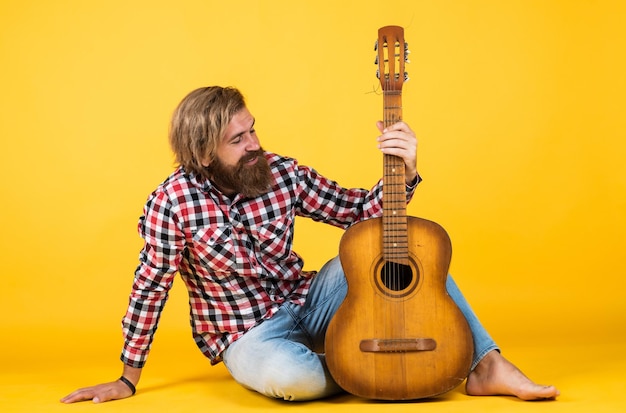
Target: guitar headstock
x=392 y=55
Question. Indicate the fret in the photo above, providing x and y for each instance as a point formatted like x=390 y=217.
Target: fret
x=397 y=233
x=395 y=216
x=396 y=243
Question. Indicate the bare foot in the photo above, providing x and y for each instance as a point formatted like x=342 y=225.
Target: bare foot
x=495 y=375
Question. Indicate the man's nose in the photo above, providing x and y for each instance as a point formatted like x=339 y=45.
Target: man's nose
x=252 y=143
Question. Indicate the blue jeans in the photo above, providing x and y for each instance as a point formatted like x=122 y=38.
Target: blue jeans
x=283 y=357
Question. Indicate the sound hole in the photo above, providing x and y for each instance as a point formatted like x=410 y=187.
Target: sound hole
x=395 y=276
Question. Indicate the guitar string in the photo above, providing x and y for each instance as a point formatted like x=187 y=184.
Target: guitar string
x=393 y=250
x=386 y=222
x=392 y=241
x=393 y=278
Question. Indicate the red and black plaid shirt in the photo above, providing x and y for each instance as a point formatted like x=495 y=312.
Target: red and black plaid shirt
x=234 y=255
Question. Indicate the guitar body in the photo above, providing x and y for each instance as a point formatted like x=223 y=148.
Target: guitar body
x=398 y=335
x=407 y=318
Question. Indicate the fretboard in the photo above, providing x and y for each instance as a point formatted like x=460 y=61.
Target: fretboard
x=395 y=240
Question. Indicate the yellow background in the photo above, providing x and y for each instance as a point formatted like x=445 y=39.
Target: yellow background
x=519 y=110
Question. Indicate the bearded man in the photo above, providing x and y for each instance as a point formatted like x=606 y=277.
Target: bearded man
x=224 y=221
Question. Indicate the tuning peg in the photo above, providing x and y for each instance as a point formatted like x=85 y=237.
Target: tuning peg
x=406 y=76
x=376 y=61
x=376 y=46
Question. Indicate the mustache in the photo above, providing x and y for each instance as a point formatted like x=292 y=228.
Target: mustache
x=251 y=155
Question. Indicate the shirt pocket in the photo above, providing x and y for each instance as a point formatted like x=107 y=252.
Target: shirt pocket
x=274 y=239
x=214 y=249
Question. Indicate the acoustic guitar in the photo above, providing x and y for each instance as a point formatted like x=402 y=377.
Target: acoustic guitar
x=398 y=335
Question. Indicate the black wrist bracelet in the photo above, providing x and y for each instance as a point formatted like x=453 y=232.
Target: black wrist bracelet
x=130 y=385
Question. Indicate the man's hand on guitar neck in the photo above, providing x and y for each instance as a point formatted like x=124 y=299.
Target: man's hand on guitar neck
x=400 y=140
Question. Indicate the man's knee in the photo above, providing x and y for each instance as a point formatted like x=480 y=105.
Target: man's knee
x=290 y=372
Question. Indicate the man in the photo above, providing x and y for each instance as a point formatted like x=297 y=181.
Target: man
x=224 y=221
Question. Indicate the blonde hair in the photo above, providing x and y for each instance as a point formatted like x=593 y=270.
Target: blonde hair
x=199 y=122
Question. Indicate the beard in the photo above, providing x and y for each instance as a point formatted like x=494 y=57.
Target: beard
x=249 y=181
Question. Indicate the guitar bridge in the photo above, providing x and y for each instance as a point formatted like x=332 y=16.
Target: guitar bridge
x=397 y=345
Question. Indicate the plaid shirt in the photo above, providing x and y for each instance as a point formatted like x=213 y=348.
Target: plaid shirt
x=234 y=255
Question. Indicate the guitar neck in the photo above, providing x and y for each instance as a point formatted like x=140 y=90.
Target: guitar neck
x=395 y=241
